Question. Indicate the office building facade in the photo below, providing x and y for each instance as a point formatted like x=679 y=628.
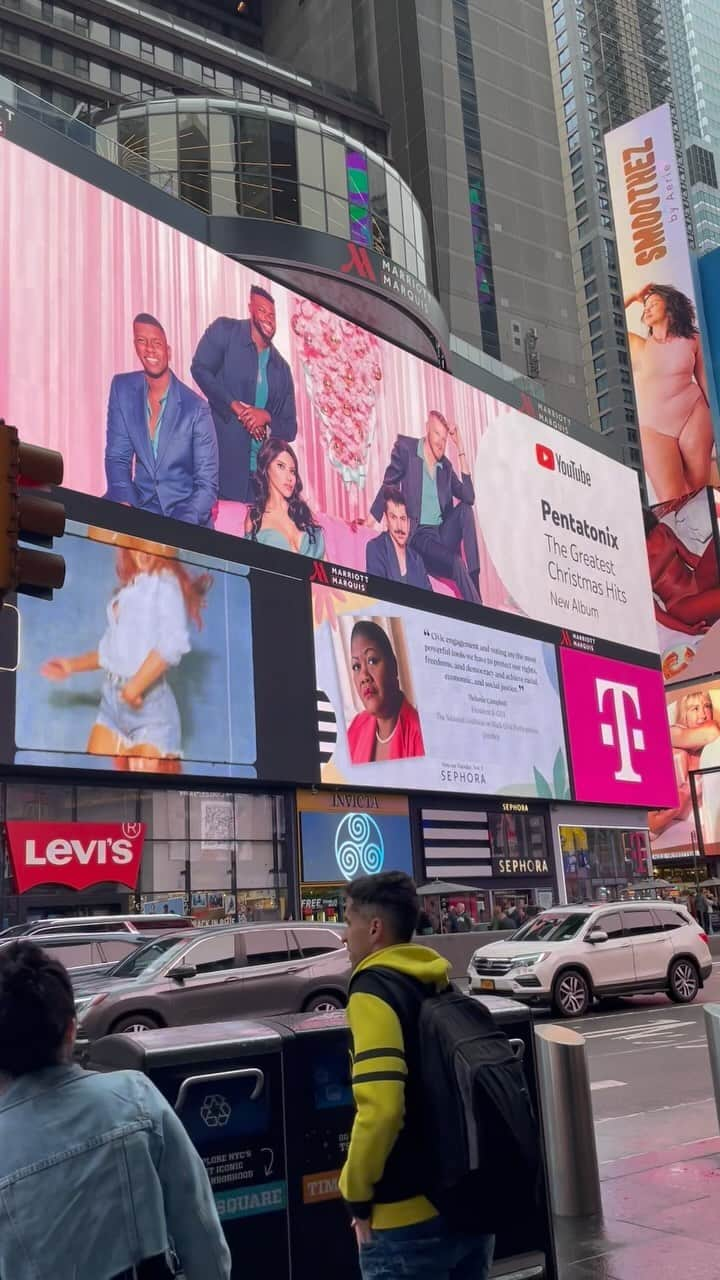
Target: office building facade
x=610 y=63
x=466 y=91
x=693 y=38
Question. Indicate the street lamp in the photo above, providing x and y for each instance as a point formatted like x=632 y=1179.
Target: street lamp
x=695 y=862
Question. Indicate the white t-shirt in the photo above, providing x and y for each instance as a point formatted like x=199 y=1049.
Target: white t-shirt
x=149 y=613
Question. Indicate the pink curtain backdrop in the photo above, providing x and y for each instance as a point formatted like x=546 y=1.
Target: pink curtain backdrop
x=76 y=265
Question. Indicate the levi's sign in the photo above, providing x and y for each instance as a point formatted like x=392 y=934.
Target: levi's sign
x=75 y=854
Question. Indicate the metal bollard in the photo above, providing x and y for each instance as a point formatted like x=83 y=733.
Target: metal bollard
x=567 y=1119
x=712 y=1030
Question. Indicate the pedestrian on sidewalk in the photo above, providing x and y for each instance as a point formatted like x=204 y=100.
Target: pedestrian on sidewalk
x=98 y=1178
x=398 y=1229
x=702 y=908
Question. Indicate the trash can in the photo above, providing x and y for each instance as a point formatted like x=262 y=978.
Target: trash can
x=319 y=1115
x=225 y=1081
x=529 y=1248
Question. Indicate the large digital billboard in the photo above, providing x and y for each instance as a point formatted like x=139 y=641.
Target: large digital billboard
x=180 y=382
x=682 y=553
x=666 y=351
x=694 y=717
x=423 y=702
x=160 y=660
x=617 y=731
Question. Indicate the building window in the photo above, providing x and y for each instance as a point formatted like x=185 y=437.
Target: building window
x=283 y=159
x=253 y=149
x=358 y=189
x=194 y=159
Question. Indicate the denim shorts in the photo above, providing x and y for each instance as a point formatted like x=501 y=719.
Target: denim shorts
x=426 y=1251
x=156 y=723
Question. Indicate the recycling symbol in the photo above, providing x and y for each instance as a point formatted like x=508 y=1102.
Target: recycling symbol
x=215 y=1111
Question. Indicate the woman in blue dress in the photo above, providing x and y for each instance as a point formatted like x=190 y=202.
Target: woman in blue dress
x=280 y=516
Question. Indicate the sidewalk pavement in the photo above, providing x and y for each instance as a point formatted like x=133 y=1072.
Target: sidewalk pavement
x=661 y=1218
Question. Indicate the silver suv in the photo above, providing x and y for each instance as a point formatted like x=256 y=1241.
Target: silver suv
x=569 y=956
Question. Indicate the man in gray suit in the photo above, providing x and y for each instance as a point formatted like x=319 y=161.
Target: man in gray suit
x=441 y=528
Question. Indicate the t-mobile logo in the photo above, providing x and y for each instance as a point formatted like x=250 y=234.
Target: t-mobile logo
x=617 y=733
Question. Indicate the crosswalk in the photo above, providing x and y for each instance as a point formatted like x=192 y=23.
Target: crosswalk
x=658 y=1032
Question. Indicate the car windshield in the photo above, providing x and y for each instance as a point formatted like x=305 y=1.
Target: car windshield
x=552 y=928
x=147 y=960
x=16 y=931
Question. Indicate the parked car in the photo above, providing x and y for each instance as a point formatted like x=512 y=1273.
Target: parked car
x=99 y=924
x=222 y=972
x=85 y=955
x=569 y=956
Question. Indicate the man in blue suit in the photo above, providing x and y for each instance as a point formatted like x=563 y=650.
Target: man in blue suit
x=161 y=450
x=441 y=528
x=250 y=389
x=388 y=555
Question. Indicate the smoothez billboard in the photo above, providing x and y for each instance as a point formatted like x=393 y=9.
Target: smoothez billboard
x=666 y=353
x=178 y=381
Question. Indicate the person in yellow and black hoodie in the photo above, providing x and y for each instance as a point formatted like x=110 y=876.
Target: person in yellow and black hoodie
x=399 y=1231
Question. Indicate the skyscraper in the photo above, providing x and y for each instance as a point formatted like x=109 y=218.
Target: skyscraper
x=693 y=33
x=610 y=64
x=466 y=90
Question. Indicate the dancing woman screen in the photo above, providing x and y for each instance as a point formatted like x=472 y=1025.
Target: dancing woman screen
x=156 y=659
x=209 y=394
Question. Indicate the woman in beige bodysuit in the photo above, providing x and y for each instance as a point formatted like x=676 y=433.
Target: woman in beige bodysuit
x=695 y=728
x=671 y=392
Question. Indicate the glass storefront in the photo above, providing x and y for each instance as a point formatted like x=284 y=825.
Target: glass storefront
x=498 y=856
x=604 y=862
x=220 y=856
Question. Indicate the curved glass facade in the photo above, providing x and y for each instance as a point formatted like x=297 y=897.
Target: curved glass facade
x=234 y=159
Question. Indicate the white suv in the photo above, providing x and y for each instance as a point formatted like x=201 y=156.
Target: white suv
x=569 y=956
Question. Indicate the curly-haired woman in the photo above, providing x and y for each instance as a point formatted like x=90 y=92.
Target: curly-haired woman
x=671 y=392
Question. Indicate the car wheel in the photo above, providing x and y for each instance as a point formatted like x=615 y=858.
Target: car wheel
x=571 y=996
x=323 y=1003
x=135 y=1022
x=683 y=981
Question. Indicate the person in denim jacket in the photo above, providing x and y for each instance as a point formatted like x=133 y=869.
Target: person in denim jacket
x=97 y=1174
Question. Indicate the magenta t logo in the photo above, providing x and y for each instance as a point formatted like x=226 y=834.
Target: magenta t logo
x=616 y=732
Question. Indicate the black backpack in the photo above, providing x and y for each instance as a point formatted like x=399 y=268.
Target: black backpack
x=480 y=1137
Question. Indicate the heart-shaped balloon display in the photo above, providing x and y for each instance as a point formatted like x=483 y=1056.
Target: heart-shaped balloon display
x=342 y=377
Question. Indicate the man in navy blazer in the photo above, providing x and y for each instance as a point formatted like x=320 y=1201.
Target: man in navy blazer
x=388 y=555
x=250 y=389
x=441 y=529
x=161 y=450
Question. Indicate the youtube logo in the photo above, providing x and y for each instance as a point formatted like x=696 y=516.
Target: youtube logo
x=545 y=457
x=553 y=461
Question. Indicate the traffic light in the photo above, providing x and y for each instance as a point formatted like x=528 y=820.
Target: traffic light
x=28 y=515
